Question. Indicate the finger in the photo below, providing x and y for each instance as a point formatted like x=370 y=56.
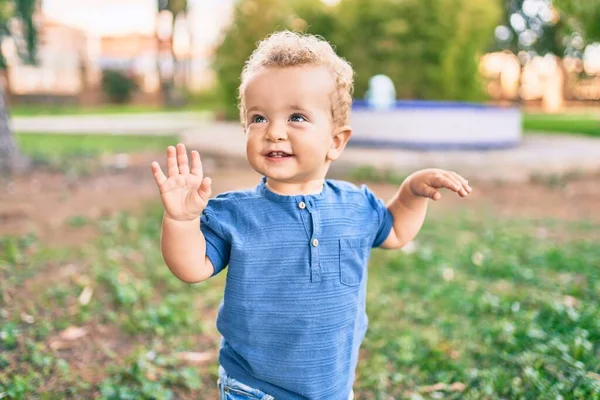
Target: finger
x=159 y=176
x=455 y=184
x=464 y=183
x=205 y=188
x=196 y=164
x=182 y=159
x=431 y=192
x=172 y=169
x=445 y=181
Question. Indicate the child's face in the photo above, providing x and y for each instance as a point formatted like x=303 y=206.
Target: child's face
x=290 y=136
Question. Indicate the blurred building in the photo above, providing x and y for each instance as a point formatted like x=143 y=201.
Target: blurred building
x=70 y=62
x=61 y=51
x=81 y=38
x=548 y=81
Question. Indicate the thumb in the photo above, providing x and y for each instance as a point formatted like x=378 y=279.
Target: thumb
x=431 y=192
x=205 y=188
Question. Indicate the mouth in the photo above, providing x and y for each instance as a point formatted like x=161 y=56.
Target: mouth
x=277 y=155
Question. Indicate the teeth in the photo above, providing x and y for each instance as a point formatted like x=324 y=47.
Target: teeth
x=277 y=154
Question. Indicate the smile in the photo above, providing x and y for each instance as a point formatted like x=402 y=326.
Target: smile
x=277 y=157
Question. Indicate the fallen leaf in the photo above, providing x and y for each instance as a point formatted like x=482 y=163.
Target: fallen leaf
x=434 y=388
x=196 y=357
x=448 y=274
x=27 y=318
x=458 y=387
x=86 y=295
x=455 y=387
x=570 y=301
x=73 y=333
x=593 y=375
x=60 y=344
x=477 y=258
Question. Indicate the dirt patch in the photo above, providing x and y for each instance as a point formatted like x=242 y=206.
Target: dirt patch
x=47 y=203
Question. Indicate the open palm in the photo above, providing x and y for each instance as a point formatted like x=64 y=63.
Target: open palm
x=185 y=192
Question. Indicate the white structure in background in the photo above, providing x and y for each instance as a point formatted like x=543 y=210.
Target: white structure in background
x=432 y=125
x=381 y=94
x=382 y=121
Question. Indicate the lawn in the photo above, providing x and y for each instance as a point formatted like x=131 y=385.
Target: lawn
x=79 y=154
x=42 y=110
x=70 y=145
x=479 y=308
x=586 y=124
x=196 y=102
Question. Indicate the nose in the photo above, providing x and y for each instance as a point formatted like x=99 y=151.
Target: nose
x=276 y=132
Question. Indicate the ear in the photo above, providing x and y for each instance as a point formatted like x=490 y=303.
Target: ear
x=340 y=137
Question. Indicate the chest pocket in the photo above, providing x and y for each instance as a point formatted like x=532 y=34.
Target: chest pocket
x=354 y=254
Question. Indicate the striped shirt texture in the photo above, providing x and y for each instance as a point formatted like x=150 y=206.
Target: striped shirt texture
x=293 y=314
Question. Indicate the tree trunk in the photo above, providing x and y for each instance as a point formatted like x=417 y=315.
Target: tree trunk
x=10 y=158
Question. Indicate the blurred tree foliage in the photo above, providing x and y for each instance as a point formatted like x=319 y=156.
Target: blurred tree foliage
x=429 y=48
x=252 y=20
x=583 y=16
x=118 y=86
x=16 y=21
x=531 y=25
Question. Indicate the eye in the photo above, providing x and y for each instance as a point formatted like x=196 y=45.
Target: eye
x=298 y=118
x=257 y=119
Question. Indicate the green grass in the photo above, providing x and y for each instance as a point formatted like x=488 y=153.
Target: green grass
x=41 y=110
x=482 y=309
x=586 y=124
x=65 y=145
x=77 y=154
x=202 y=101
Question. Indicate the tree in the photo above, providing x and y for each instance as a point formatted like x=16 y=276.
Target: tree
x=429 y=48
x=530 y=26
x=583 y=16
x=252 y=21
x=16 y=20
x=177 y=8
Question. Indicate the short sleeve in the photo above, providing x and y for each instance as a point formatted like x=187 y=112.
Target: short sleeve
x=218 y=247
x=384 y=217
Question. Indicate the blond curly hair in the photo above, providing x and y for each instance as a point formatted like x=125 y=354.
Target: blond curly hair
x=290 y=49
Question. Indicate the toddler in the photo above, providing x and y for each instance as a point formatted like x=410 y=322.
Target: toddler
x=293 y=313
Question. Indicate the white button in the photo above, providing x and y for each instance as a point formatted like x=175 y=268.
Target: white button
x=315 y=242
x=302 y=205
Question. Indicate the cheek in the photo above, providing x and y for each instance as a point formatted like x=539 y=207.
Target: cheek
x=252 y=140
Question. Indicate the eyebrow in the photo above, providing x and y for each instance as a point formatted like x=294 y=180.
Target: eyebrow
x=298 y=108
x=293 y=107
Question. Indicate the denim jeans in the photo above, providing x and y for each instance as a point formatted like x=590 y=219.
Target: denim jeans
x=231 y=389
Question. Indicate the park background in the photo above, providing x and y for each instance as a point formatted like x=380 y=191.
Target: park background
x=498 y=296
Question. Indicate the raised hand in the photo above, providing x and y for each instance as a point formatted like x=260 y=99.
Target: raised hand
x=425 y=183
x=185 y=192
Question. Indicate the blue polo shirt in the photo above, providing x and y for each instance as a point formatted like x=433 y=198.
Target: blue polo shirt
x=293 y=313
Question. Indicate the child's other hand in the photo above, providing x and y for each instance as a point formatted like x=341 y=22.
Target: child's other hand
x=185 y=192
x=425 y=183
